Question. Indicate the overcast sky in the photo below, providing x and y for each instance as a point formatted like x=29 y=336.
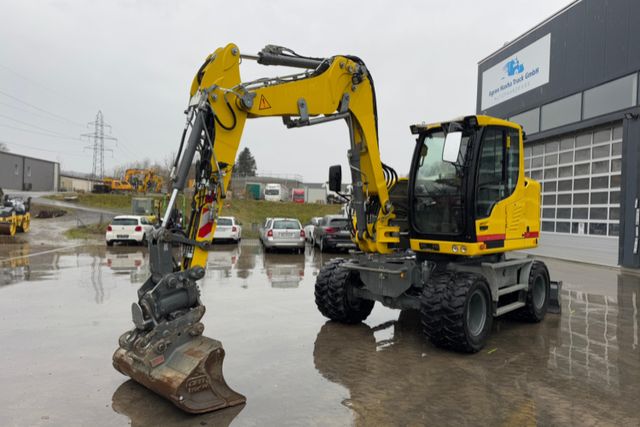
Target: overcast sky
x=62 y=61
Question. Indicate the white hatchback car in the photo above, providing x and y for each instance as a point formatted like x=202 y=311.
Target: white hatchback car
x=128 y=229
x=228 y=228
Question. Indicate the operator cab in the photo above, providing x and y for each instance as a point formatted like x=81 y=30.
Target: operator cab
x=464 y=176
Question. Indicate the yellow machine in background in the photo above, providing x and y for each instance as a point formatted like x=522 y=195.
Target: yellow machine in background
x=15 y=215
x=436 y=242
x=144 y=180
x=117 y=186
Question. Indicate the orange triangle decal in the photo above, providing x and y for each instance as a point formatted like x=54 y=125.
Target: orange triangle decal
x=264 y=104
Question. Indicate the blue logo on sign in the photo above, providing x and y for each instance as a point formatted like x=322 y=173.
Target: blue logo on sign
x=513 y=67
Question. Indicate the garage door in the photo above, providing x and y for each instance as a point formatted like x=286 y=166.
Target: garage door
x=580 y=177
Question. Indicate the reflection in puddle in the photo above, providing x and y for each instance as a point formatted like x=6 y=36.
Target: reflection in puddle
x=17 y=264
x=578 y=368
x=281 y=270
x=144 y=408
x=132 y=261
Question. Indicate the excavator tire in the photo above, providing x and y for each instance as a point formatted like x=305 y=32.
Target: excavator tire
x=537 y=300
x=456 y=312
x=334 y=296
x=431 y=307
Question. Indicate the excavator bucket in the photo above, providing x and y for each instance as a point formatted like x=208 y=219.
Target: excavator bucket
x=166 y=351
x=190 y=376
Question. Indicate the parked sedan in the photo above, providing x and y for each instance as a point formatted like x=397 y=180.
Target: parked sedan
x=308 y=229
x=333 y=233
x=128 y=229
x=227 y=229
x=283 y=233
x=262 y=230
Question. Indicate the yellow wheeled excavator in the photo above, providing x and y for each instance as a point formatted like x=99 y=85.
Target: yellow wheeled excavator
x=435 y=242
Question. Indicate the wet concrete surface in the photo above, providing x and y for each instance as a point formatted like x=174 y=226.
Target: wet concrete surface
x=50 y=231
x=62 y=310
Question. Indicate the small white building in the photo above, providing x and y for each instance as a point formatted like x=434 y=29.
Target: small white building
x=315 y=192
x=77 y=183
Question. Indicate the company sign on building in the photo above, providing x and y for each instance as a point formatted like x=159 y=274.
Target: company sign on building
x=524 y=70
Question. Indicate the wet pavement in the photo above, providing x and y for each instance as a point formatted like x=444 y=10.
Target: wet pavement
x=62 y=310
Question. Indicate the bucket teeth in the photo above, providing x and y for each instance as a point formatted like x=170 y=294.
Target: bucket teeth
x=190 y=376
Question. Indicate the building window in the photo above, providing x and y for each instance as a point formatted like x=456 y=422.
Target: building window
x=28 y=170
x=581 y=190
x=609 y=97
x=529 y=120
x=16 y=169
x=561 y=112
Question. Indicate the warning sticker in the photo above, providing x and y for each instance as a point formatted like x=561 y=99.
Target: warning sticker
x=264 y=104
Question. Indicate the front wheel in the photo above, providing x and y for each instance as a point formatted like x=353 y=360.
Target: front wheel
x=457 y=311
x=334 y=294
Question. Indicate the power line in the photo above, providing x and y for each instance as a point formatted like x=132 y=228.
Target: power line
x=40 y=133
x=36 y=114
x=66 y=153
x=59 y=94
x=31 y=125
x=40 y=109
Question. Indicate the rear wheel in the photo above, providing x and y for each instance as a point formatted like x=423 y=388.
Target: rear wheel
x=334 y=294
x=456 y=311
x=25 y=224
x=537 y=299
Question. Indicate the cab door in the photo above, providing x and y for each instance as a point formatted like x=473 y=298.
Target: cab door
x=496 y=180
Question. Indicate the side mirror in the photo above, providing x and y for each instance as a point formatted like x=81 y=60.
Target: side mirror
x=335 y=178
x=451 y=148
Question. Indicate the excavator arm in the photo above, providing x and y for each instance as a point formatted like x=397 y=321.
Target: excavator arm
x=166 y=350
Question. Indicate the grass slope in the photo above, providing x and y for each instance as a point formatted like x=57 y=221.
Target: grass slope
x=255 y=211
x=91 y=231
x=248 y=212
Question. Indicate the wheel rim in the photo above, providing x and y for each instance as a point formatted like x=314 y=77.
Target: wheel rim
x=477 y=312
x=539 y=292
x=352 y=300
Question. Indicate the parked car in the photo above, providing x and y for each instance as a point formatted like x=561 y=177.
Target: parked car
x=333 y=233
x=228 y=228
x=308 y=229
x=283 y=233
x=262 y=230
x=128 y=229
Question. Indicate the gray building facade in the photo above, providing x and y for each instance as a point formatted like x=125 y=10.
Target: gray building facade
x=27 y=173
x=572 y=83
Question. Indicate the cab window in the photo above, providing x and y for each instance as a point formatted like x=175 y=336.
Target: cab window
x=498 y=168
